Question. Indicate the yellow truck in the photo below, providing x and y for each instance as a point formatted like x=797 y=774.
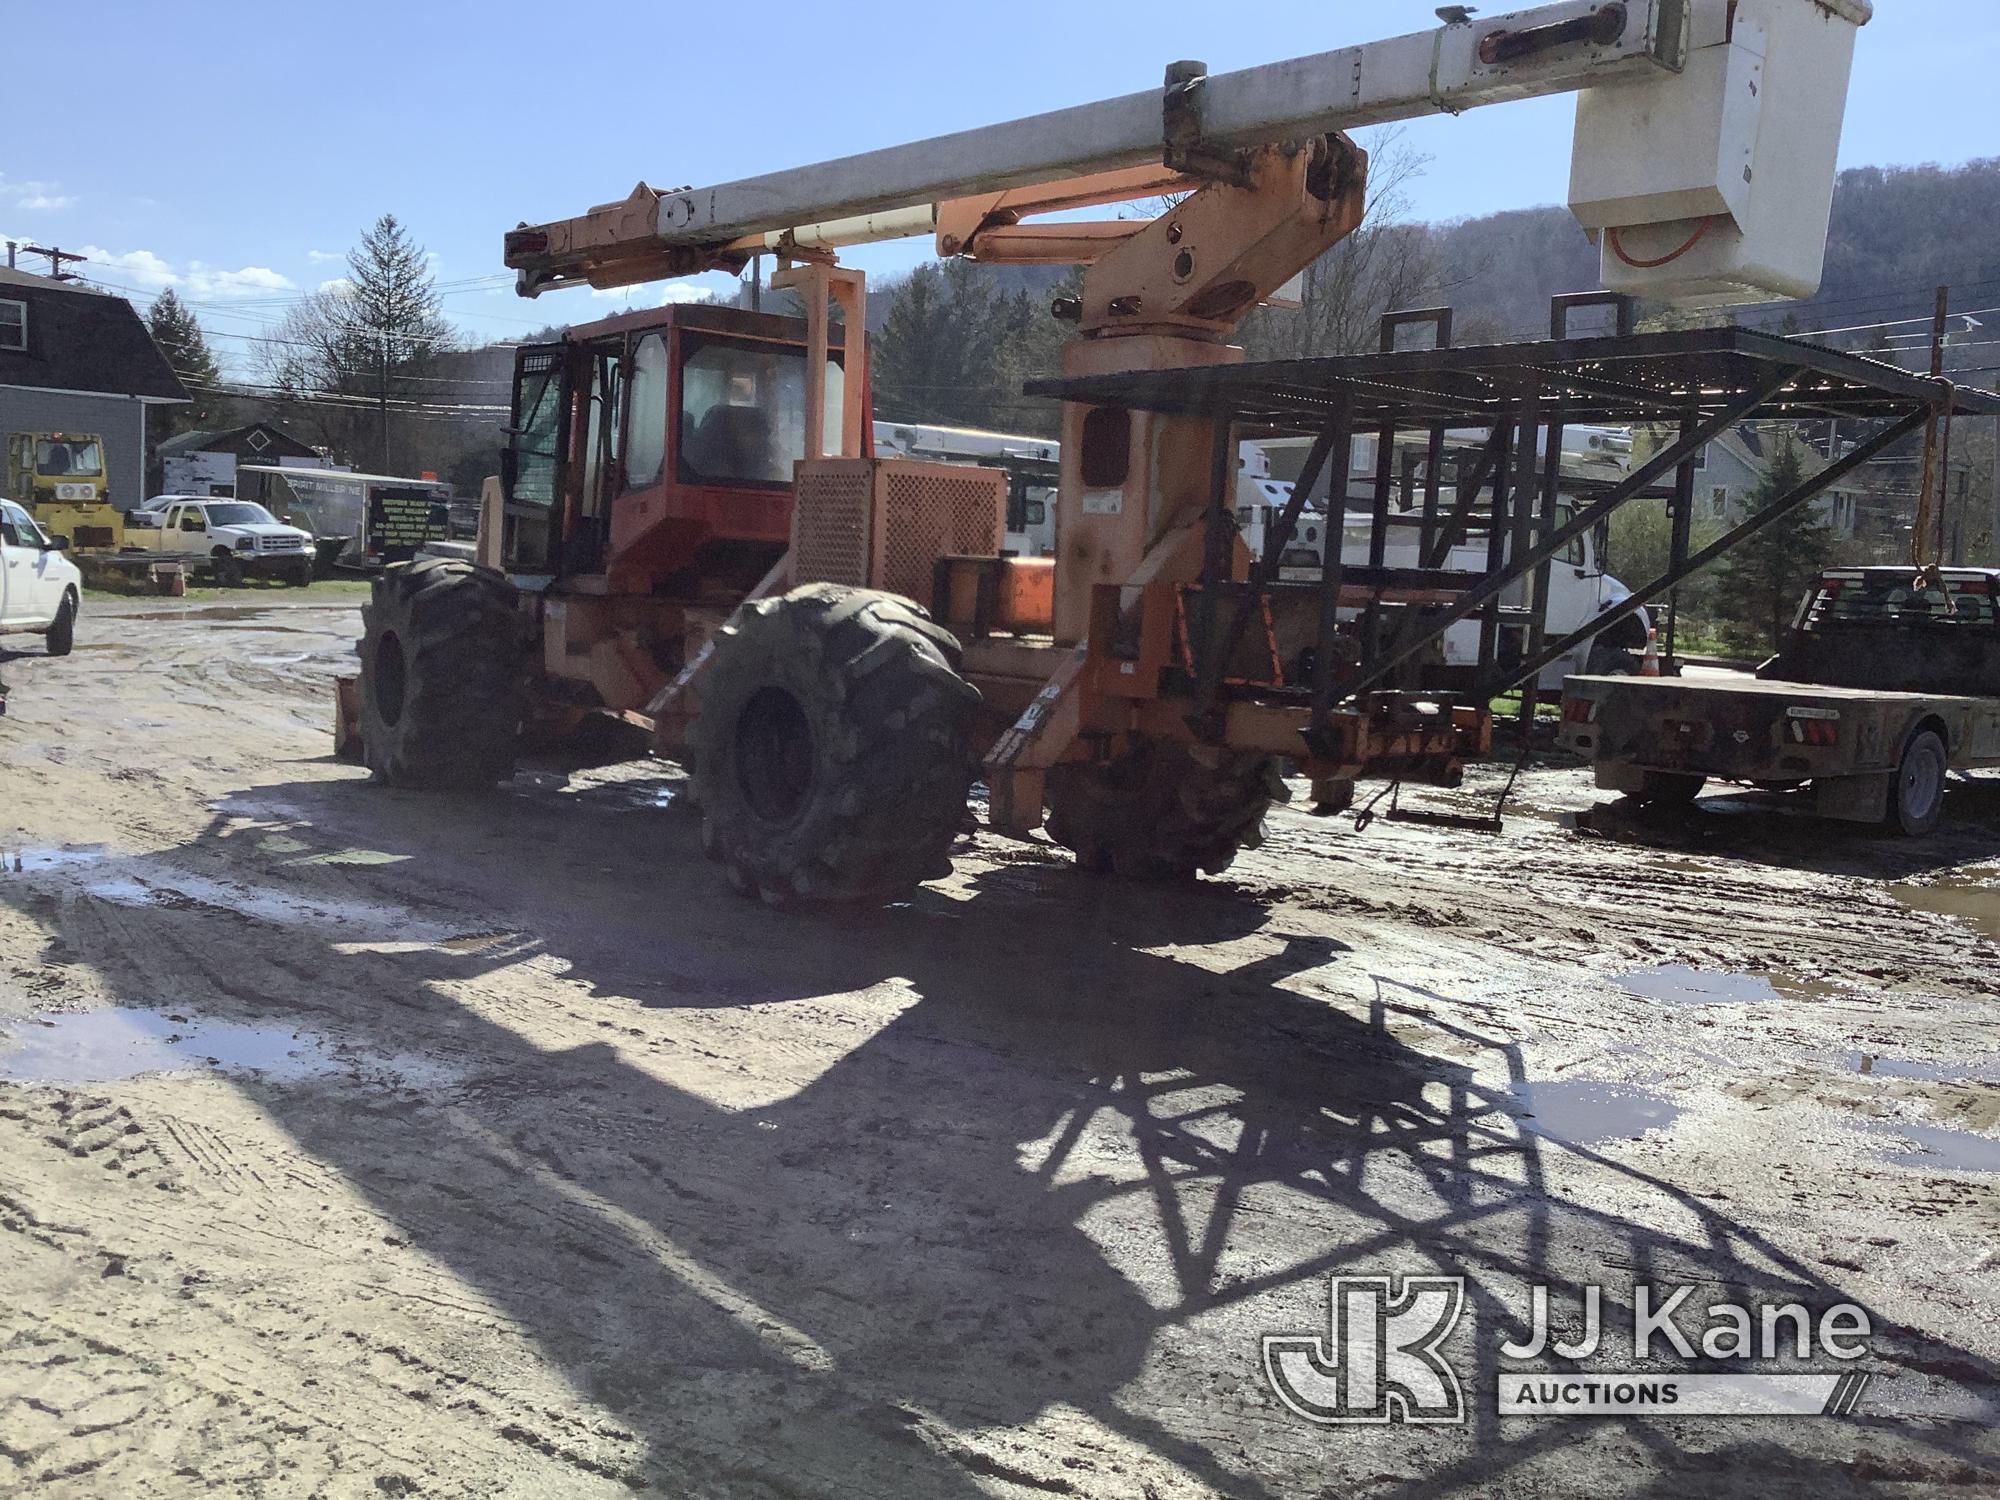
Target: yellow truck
x=62 y=479
x=55 y=466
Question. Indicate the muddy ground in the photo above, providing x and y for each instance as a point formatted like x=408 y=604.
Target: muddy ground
x=355 y=1142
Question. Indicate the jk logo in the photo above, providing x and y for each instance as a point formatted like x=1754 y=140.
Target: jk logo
x=1380 y=1362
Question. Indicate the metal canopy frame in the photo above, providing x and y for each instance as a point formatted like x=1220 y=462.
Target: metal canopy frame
x=1697 y=383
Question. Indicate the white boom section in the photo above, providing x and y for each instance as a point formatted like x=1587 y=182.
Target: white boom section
x=855 y=198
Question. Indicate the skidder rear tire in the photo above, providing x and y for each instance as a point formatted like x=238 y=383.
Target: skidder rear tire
x=1163 y=811
x=440 y=676
x=833 y=749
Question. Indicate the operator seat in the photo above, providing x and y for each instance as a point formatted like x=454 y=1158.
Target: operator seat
x=734 y=442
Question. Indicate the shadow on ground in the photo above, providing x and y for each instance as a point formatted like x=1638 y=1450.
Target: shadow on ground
x=1067 y=1165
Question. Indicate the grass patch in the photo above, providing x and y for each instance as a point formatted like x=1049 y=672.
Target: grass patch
x=1508 y=706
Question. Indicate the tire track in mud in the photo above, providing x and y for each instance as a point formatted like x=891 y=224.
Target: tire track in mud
x=1566 y=899
x=211 y=1400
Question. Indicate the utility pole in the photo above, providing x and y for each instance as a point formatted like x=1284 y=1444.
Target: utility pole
x=382 y=396
x=55 y=259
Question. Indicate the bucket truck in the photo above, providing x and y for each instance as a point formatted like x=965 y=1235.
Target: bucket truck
x=691 y=530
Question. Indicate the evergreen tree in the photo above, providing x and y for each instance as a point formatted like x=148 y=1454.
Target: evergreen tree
x=935 y=358
x=178 y=333
x=1764 y=577
x=376 y=335
x=391 y=298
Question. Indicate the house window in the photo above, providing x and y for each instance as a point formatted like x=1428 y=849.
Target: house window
x=13 y=325
x=1718 y=501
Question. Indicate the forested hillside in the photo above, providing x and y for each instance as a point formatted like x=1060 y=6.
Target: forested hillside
x=1897 y=233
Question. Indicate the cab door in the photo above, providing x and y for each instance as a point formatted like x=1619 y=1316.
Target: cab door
x=188 y=530
x=13 y=569
x=32 y=593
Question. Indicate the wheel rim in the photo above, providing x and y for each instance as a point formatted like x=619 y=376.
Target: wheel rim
x=390 y=677
x=1923 y=783
x=774 y=755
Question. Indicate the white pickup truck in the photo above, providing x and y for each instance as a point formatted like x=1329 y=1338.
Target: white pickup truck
x=238 y=539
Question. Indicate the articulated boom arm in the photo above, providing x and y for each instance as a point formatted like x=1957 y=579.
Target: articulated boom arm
x=971 y=189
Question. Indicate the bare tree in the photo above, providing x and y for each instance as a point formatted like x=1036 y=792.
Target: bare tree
x=1388 y=262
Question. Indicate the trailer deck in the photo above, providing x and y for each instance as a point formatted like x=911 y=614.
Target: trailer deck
x=1698 y=382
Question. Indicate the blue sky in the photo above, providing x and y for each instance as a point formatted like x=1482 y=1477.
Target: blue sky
x=235 y=151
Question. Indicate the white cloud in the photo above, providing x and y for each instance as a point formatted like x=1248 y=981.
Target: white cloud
x=673 y=291
x=321 y=257
x=144 y=271
x=38 y=197
x=138 y=268
x=337 y=284
x=214 y=283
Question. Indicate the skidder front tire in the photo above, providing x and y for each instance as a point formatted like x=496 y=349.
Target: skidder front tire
x=440 y=676
x=1163 y=811
x=833 y=749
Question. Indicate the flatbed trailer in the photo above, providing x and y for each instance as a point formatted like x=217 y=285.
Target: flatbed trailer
x=1887 y=683
x=124 y=569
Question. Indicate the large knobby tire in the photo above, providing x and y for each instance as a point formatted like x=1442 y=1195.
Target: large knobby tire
x=440 y=676
x=1163 y=811
x=833 y=747
x=1916 y=800
x=62 y=634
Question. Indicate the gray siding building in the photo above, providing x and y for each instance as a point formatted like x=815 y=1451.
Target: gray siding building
x=77 y=360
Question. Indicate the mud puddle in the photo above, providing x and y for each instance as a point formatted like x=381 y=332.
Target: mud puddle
x=177 y=890
x=68 y=857
x=110 y=1046
x=211 y=612
x=1580 y=1112
x=1679 y=984
x=1975 y=1070
x=1939 y=1147
x=1972 y=896
x=104 y=1046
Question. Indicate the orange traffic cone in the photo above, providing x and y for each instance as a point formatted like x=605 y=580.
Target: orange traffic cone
x=1649 y=666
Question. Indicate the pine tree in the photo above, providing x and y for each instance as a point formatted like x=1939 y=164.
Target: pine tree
x=936 y=357
x=1764 y=576
x=178 y=333
x=391 y=298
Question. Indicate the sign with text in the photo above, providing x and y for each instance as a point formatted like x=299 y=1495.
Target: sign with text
x=401 y=518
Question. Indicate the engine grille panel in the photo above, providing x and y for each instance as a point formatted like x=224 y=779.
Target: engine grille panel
x=831 y=516
x=931 y=511
x=884 y=523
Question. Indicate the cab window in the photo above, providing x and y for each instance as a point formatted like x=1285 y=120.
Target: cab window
x=17 y=529
x=535 y=436
x=646 y=426
x=58 y=457
x=191 y=519
x=743 y=411
x=1572 y=553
